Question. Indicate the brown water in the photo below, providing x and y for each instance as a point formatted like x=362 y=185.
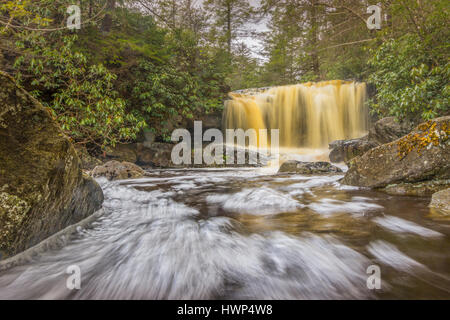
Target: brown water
x=245 y=233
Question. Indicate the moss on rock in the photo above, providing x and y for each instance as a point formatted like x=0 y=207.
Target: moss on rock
x=40 y=170
x=418 y=157
x=13 y=211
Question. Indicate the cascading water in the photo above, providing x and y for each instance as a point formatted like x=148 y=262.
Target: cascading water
x=309 y=115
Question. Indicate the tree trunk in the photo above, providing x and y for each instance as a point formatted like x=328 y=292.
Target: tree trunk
x=229 y=26
x=107 y=20
x=314 y=39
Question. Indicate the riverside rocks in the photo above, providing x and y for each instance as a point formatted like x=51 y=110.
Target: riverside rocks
x=321 y=167
x=42 y=188
x=383 y=131
x=421 y=156
x=441 y=200
x=388 y=129
x=115 y=170
x=345 y=150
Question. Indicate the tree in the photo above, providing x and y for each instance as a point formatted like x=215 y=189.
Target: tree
x=410 y=67
x=229 y=17
x=43 y=57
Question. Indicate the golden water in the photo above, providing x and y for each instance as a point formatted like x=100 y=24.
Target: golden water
x=308 y=115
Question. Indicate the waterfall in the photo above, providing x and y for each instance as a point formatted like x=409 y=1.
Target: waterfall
x=308 y=115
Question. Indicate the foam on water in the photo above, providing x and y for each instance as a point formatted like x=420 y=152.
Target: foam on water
x=164 y=237
x=399 y=225
x=388 y=254
x=330 y=206
x=256 y=201
x=150 y=247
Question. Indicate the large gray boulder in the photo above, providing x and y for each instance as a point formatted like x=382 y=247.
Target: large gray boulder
x=383 y=131
x=42 y=187
x=388 y=129
x=345 y=150
x=88 y=162
x=422 y=155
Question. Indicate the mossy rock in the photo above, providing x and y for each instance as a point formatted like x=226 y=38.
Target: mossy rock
x=42 y=188
x=420 y=156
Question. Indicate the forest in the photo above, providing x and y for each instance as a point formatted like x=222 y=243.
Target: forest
x=140 y=65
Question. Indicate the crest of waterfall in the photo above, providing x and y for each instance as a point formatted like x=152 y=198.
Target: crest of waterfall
x=308 y=115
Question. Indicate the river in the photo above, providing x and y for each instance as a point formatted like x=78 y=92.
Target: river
x=244 y=234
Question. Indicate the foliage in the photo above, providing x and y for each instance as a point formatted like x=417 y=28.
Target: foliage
x=410 y=84
x=156 y=63
x=105 y=86
x=83 y=99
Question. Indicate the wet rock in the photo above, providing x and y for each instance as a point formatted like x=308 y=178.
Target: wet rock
x=321 y=167
x=159 y=154
x=420 y=156
x=423 y=188
x=383 y=131
x=115 y=170
x=88 y=162
x=388 y=129
x=345 y=150
x=441 y=200
x=252 y=158
x=42 y=188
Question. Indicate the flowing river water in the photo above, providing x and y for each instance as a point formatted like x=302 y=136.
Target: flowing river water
x=244 y=234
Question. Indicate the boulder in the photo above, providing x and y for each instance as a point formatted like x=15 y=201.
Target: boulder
x=388 y=129
x=88 y=162
x=345 y=150
x=422 y=155
x=42 y=187
x=383 y=131
x=441 y=200
x=321 y=167
x=115 y=170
